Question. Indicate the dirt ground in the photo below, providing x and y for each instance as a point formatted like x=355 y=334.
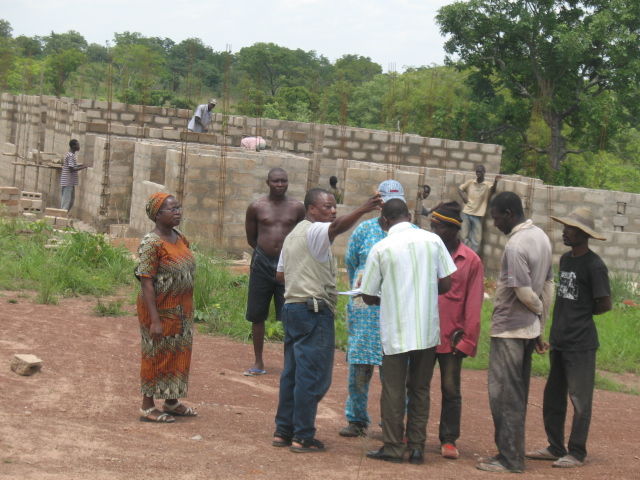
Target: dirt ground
x=78 y=417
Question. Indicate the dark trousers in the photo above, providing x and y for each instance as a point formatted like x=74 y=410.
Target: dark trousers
x=309 y=343
x=509 y=374
x=408 y=372
x=571 y=373
x=450 y=367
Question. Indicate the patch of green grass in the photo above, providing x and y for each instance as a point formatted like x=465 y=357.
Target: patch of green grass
x=12 y=300
x=604 y=383
x=81 y=264
x=109 y=309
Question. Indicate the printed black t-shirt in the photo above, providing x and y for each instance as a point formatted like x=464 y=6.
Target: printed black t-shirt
x=580 y=281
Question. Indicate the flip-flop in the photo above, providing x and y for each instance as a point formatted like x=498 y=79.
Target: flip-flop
x=254 y=372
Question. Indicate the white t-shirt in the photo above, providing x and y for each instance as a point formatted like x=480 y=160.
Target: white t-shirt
x=317 y=241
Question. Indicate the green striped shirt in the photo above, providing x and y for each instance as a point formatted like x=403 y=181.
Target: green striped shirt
x=403 y=270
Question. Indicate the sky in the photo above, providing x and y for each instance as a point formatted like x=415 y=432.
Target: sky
x=394 y=33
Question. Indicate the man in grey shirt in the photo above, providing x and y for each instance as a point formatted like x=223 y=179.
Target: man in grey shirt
x=521 y=304
x=201 y=119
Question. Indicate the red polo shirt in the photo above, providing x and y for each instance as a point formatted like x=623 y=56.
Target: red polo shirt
x=460 y=307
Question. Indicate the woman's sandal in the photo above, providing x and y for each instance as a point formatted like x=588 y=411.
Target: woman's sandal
x=159 y=417
x=179 y=410
x=307 y=445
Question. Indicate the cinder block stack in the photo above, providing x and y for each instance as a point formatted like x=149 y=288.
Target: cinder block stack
x=57 y=217
x=31 y=203
x=9 y=201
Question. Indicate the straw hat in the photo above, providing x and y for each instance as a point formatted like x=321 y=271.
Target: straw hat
x=581 y=218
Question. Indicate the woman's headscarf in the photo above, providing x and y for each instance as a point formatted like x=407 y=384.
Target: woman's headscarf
x=154 y=203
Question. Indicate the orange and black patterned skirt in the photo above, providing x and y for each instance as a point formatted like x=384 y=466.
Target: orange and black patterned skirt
x=165 y=363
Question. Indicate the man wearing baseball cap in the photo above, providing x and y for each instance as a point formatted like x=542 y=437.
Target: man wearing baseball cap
x=201 y=119
x=583 y=291
x=364 y=350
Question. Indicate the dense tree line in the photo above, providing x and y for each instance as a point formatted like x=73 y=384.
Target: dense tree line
x=554 y=82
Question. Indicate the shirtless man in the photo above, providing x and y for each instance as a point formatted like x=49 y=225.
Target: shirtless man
x=269 y=219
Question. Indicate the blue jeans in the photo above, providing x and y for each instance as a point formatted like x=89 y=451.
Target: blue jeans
x=309 y=344
x=471 y=233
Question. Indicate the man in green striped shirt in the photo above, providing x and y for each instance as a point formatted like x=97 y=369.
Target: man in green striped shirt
x=404 y=274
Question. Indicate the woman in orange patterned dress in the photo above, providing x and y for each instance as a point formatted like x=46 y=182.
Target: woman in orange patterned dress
x=165 y=310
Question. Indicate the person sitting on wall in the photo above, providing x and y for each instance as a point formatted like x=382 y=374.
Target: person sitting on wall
x=476 y=195
x=69 y=175
x=201 y=119
x=253 y=143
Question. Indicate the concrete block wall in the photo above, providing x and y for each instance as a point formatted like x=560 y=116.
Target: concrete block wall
x=245 y=181
x=620 y=251
x=53 y=121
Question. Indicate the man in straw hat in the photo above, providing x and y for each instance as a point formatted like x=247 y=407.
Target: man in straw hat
x=583 y=291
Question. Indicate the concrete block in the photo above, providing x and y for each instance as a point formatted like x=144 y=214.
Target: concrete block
x=25 y=364
x=55 y=212
x=118 y=129
x=10 y=190
x=620 y=221
x=380 y=137
x=170 y=134
x=127 y=117
x=476 y=157
x=488 y=148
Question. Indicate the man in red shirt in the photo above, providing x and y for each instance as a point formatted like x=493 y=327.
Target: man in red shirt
x=459 y=311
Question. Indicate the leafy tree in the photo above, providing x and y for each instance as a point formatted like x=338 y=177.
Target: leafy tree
x=28 y=46
x=97 y=53
x=356 y=69
x=7 y=57
x=26 y=75
x=5 y=29
x=553 y=54
x=270 y=67
x=60 y=65
x=138 y=69
x=58 y=42
x=190 y=62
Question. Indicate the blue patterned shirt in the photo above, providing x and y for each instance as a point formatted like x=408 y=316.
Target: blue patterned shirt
x=363 y=321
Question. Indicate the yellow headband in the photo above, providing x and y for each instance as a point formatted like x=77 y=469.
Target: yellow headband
x=435 y=216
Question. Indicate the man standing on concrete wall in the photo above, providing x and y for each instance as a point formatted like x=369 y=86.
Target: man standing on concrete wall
x=201 y=119
x=521 y=303
x=583 y=291
x=476 y=195
x=404 y=274
x=69 y=176
x=268 y=221
x=308 y=269
x=459 y=311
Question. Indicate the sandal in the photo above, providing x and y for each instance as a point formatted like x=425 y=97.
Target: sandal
x=281 y=440
x=308 y=445
x=160 y=417
x=179 y=410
